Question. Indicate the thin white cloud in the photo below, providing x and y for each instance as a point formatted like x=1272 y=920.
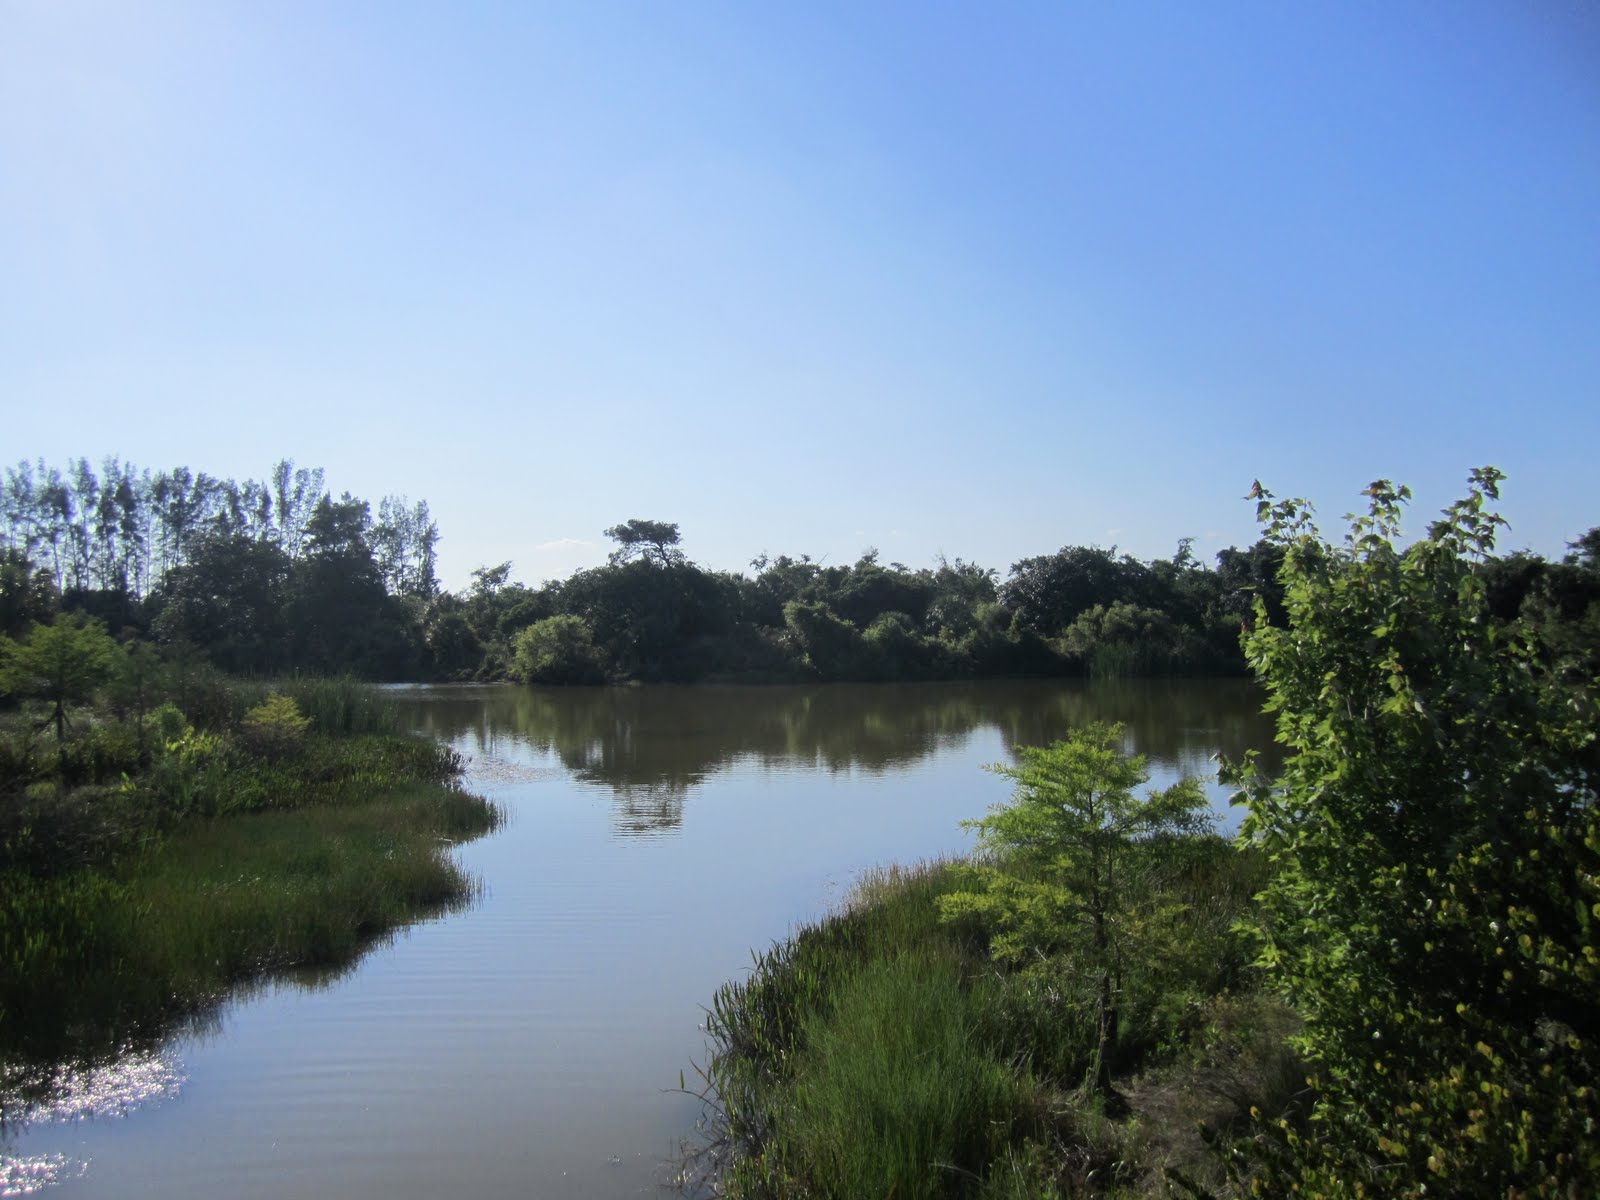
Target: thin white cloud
x=1114 y=532
x=564 y=544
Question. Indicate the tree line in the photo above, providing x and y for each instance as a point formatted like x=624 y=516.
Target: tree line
x=262 y=576
x=279 y=576
x=122 y=530
x=650 y=613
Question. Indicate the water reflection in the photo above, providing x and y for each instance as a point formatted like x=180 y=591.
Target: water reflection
x=139 y=1066
x=653 y=746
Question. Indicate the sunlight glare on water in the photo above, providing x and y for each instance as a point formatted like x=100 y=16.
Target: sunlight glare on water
x=78 y=1093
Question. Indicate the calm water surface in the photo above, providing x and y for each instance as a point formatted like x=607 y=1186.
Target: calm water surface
x=530 y=1045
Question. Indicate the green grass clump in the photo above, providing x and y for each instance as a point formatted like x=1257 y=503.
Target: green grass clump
x=883 y=1052
x=91 y=959
x=852 y=1061
x=757 y=1022
x=897 y=1095
x=344 y=706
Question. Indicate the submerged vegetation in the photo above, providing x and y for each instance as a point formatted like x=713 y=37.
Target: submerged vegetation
x=167 y=832
x=1384 y=987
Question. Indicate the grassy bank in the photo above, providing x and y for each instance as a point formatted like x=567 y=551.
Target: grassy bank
x=151 y=861
x=1049 y=1018
x=885 y=1051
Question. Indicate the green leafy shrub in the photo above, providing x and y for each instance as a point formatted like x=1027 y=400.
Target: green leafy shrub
x=1435 y=896
x=49 y=830
x=98 y=754
x=189 y=775
x=829 y=645
x=1124 y=639
x=897 y=650
x=169 y=723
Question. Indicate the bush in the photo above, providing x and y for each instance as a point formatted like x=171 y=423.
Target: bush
x=557 y=650
x=99 y=754
x=896 y=650
x=188 y=776
x=828 y=644
x=1436 y=849
x=1123 y=639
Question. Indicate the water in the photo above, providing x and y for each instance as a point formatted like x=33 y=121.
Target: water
x=531 y=1046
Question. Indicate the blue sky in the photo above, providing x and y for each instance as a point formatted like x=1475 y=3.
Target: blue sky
x=935 y=278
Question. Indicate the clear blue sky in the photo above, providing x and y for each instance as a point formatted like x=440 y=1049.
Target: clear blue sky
x=982 y=280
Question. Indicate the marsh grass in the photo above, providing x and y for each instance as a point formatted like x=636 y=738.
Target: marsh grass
x=854 y=1060
x=91 y=959
x=882 y=1052
x=899 y=1066
x=127 y=906
x=343 y=706
x=336 y=706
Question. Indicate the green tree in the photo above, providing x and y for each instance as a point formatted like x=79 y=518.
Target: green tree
x=828 y=644
x=134 y=683
x=453 y=647
x=229 y=598
x=1070 y=861
x=60 y=663
x=868 y=591
x=486 y=581
x=557 y=650
x=275 y=728
x=653 y=541
x=960 y=590
x=405 y=541
x=27 y=593
x=1436 y=855
x=341 y=616
x=1048 y=592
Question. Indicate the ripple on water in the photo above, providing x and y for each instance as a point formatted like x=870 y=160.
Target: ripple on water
x=490 y=770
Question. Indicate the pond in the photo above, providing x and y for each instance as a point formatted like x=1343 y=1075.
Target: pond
x=532 y=1044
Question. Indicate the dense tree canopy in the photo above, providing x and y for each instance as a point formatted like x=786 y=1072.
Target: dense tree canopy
x=280 y=575
x=230 y=596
